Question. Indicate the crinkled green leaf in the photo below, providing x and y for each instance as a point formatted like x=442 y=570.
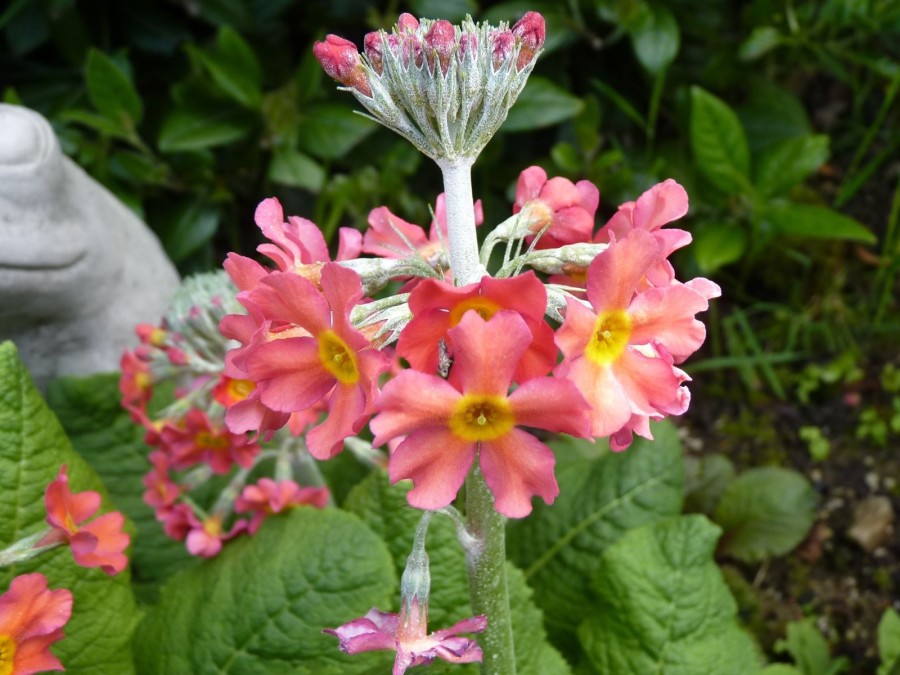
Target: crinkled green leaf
x=889 y=642
x=765 y=512
x=664 y=608
x=719 y=144
x=103 y=433
x=331 y=130
x=559 y=546
x=787 y=163
x=816 y=222
x=261 y=605
x=112 y=91
x=384 y=508
x=656 y=38
x=33 y=446
x=541 y=104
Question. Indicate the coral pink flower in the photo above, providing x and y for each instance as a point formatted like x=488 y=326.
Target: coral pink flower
x=382 y=239
x=161 y=492
x=321 y=356
x=620 y=352
x=448 y=424
x=658 y=206
x=197 y=440
x=205 y=538
x=568 y=209
x=99 y=543
x=437 y=307
x=268 y=497
x=136 y=382
x=408 y=636
x=31 y=619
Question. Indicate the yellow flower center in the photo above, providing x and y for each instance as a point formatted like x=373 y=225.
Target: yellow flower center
x=211 y=441
x=142 y=381
x=338 y=358
x=238 y=390
x=7 y=654
x=610 y=337
x=480 y=305
x=481 y=417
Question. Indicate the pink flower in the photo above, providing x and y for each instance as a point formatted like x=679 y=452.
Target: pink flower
x=567 y=209
x=449 y=423
x=135 y=383
x=437 y=307
x=198 y=440
x=204 y=538
x=407 y=635
x=268 y=497
x=620 y=352
x=31 y=619
x=321 y=356
x=161 y=492
x=99 y=543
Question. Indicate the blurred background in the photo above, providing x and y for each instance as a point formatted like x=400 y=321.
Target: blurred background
x=779 y=117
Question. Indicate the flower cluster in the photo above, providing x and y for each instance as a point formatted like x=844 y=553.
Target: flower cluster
x=193 y=447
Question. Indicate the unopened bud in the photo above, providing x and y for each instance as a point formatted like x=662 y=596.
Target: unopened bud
x=340 y=61
x=504 y=43
x=532 y=31
x=440 y=40
x=468 y=44
x=372 y=48
x=407 y=23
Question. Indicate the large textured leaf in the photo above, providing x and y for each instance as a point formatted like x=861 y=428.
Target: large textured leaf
x=384 y=508
x=765 y=512
x=816 y=222
x=559 y=546
x=103 y=433
x=719 y=144
x=260 y=607
x=664 y=607
x=788 y=162
x=32 y=448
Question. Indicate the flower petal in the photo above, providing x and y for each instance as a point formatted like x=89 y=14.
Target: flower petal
x=412 y=401
x=436 y=461
x=516 y=467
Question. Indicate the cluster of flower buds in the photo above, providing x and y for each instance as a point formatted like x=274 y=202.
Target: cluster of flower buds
x=193 y=447
x=445 y=88
x=32 y=616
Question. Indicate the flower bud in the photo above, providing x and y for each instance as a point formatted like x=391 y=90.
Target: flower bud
x=468 y=44
x=440 y=40
x=372 y=48
x=504 y=43
x=407 y=23
x=340 y=61
x=532 y=31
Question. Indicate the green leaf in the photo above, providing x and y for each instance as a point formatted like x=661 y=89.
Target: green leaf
x=541 y=104
x=112 y=91
x=98 y=123
x=765 y=512
x=102 y=432
x=331 y=130
x=816 y=222
x=787 y=163
x=780 y=669
x=664 y=607
x=294 y=169
x=234 y=67
x=761 y=41
x=705 y=479
x=384 y=508
x=718 y=244
x=33 y=446
x=719 y=144
x=261 y=605
x=889 y=642
x=187 y=227
x=772 y=114
x=559 y=546
x=200 y=124
x=809 y=649
x=656 y=39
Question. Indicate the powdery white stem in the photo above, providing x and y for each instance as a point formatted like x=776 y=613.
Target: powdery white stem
x=464 y=260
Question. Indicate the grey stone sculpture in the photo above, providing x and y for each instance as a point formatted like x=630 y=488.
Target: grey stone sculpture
x=78 y=270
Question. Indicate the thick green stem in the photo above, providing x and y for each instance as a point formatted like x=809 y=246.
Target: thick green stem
x=487 y=577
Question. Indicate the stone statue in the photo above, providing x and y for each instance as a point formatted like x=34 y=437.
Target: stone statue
x=78 y=270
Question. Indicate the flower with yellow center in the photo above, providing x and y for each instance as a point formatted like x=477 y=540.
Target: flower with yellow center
x=31 y=620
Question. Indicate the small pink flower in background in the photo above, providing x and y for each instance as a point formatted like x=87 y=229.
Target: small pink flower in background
x=269 y=497
x=198 y=440
x=31 y=619
x=437 y=307
x=332 y=361
x=567 y=208
x=136 y=383
x=205 y=537
x=620 y=353
x=161 y=492
x=449 y=423
x=407 y=635
x=99 y=543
